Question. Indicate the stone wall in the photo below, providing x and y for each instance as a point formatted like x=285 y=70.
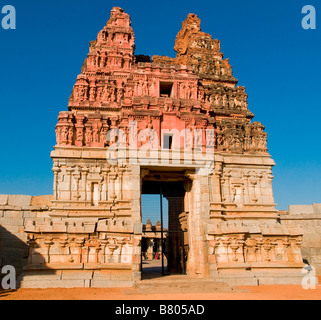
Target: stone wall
x=308 y=217
x=18 y=214
x=14 y=211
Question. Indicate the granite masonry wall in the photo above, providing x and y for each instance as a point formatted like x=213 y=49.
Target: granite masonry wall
x=308 y=217
x=14 y=210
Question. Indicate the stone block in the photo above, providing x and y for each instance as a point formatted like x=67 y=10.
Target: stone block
x=136 y=276
x=111 y=284
x=10 y=228
x=138 y=228
x=3 y=199
x=77 y=275
x=299 y=209
x=19 y=200
x=43 y=276
x=17 y=221
x=42 y=200
x=13 y=214
x=33 y=284
x=280 y=280
x=238 y=280
x=317 y=207
x=29 y=214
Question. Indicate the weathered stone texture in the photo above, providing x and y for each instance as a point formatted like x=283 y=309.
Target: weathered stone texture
x=308 y=217
x=16 y=210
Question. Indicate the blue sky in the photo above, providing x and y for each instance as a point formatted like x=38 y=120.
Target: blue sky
x=271 y=54
x=151 y=209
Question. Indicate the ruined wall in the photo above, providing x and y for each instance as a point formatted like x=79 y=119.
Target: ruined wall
x=308 y=217
x=61 y=252
x=14 y=211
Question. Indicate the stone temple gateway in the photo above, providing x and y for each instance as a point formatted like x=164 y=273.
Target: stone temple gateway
x=92 y=233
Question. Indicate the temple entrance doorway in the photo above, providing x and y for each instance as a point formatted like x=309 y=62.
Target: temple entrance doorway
x=165 y=236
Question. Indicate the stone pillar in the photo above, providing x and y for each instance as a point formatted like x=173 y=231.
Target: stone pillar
x=69 y=172
x=56 y=171
x=175 y=238
x=216 y=192
x=150 y=246
x=197 y=256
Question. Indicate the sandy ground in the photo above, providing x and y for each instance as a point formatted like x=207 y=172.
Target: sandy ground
x=246 y=293
x=275 y=292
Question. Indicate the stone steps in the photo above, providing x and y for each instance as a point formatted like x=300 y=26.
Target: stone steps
x=176 y=285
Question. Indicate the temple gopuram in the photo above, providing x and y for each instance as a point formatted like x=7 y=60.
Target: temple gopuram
x=131 y=122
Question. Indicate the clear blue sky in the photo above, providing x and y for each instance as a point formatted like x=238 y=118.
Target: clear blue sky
x=151 y=209
x=271 y=54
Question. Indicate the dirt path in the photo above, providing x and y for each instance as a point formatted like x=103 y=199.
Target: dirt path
x=248 y=293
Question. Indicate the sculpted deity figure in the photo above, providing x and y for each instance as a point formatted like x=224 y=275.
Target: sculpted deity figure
x=103 y=134
x=96 y=133
x=70 y=134
x=216 y=99
x=144 y=88
x=219 y=139
x=182 y=90
x=201 y=95
x=99 y=93
x=224 y=100
x=64 y=134
x=262 y=143
x=88 y=135
x=119 y=94
x=243 y=102
x=227 y=67
x=237 y=102
x=112 y=61
x=217 y=68
x=151 y=90
x=104 y=94
x=81 y=93
x=129 y=91
x=103 y=60
x=231 y=102
x=112 y=94
x=79 y=134
x=188 y=93
x=193 y=93
x=92 y=93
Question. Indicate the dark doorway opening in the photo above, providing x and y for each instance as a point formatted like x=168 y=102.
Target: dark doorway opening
x=166 y=89
x=165 y=241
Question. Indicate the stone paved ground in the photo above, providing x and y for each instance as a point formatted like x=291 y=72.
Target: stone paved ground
x=247 y=293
